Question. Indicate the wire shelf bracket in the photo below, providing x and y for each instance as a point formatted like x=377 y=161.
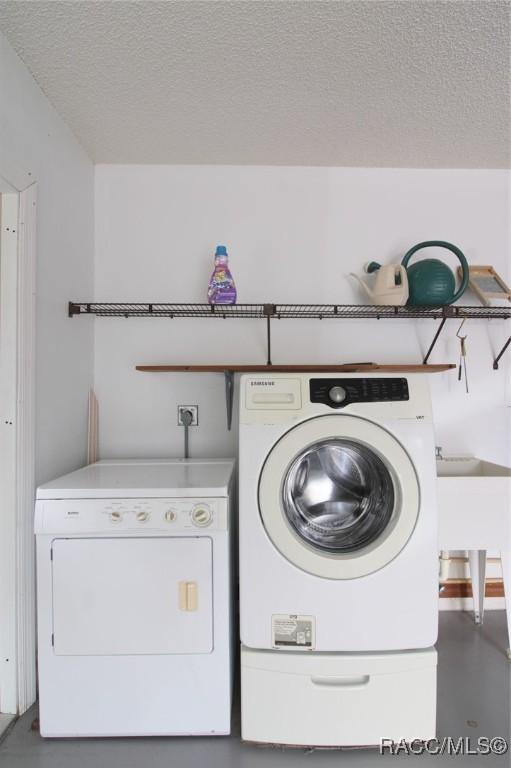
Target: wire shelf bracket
x=435 y=339
x=229 y=396
x=496 y=361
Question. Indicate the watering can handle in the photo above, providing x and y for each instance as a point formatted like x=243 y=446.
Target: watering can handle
x=401 y=271
x=450 y=247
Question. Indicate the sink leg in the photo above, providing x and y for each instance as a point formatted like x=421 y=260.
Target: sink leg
x=477 y=561
x=505 y=559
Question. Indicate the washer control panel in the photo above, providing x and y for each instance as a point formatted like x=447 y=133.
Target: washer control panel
x=144 y=516
x=337 y=393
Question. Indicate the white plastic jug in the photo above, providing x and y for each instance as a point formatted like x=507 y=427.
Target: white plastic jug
x=391 y=284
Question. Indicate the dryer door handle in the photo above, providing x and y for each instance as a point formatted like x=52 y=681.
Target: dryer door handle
x=188 y=593
x=342 y=682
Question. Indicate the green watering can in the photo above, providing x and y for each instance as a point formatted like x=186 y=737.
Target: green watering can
x=431 y=282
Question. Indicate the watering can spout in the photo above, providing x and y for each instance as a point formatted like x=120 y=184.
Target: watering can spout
x=363 y=285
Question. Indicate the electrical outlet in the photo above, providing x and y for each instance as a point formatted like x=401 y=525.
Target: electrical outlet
x=194 y=409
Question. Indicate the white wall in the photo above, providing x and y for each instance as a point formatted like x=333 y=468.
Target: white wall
x=293 y=235
x=35 y=145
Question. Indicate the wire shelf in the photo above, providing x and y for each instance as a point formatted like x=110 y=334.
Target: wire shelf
x=360 y=311
x=271 y=312
x=284 y=311
x=166 y=310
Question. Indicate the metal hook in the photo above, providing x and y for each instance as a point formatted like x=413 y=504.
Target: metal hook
x=463 y=355
x=459 y=329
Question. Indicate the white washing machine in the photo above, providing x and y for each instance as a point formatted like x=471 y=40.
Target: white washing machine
x=134 y=599
x=338 y=558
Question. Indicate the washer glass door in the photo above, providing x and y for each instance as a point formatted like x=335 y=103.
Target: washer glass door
x=338 y=495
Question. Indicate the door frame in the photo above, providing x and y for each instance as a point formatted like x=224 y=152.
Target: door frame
x=17 y=439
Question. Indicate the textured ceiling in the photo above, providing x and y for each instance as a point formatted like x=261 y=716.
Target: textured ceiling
x=352 y=83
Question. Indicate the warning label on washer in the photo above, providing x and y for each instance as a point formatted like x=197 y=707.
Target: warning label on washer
x=292 y=632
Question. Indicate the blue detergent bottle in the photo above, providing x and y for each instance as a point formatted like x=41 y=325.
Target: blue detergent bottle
x=221 y=288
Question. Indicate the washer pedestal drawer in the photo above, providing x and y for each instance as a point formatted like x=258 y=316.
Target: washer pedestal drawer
x=330 y=699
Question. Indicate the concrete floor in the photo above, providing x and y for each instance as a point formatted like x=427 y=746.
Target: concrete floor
x=5 y=721
x=473 y=700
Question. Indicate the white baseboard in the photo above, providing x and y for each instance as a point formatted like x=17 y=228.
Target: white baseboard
x=466 y=604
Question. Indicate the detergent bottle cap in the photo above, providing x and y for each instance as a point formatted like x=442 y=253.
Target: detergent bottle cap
x=221 y=250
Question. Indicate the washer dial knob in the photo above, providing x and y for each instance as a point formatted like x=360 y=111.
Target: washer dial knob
x=337 y=394
x=116 y=516
x=142 y=516
x=170 y=515
x=202 y=516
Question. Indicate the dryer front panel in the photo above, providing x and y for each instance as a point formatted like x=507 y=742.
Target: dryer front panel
x=338 y=496
x=126 y=596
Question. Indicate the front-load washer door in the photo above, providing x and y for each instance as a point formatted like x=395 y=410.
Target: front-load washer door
x=339 y=496
x=125 y=595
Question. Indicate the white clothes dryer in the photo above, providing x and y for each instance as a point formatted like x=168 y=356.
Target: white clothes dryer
x=338 y=546
x=134 y=599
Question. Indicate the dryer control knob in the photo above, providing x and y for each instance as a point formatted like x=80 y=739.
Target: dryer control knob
x=170 y=515
x=201 y=516
x=142 y=516
x=337 y=394
x=116 y=516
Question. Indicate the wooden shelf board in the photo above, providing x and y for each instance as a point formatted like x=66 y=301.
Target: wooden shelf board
x=462 y=588
x=345 y=368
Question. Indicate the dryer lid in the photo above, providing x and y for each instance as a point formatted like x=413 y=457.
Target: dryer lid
x=131 y=478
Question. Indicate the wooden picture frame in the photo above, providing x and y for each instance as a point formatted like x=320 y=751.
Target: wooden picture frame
x=487 y=284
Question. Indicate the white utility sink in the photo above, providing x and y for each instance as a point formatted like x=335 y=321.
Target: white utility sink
x=474 y=500
x=474 y=503
x=469 y=466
